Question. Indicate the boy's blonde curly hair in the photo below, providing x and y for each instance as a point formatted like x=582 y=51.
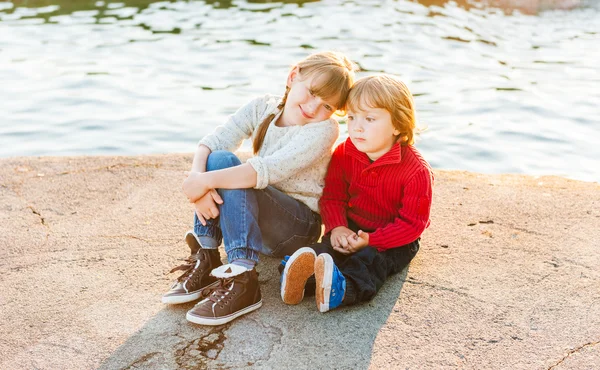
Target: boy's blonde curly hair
x=390 y=93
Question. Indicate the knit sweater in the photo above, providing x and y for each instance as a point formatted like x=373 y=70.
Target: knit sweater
x=389 y=198
x=293 y=159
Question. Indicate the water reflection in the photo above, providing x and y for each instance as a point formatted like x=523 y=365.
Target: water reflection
x=102 y=12
x=530 y=7
x=50 y=8
x=499 y=91
x=99 y=9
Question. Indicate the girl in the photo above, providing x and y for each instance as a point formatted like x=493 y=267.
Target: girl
x=269 y=204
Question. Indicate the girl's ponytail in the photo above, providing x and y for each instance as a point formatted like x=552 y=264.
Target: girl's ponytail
x=261 y=132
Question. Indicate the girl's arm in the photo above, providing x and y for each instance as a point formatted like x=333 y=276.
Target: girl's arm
x=240 y=125
x=228 y=136
x=200 y=157
x=306 y=147
x=198 y=184
x=238 y=177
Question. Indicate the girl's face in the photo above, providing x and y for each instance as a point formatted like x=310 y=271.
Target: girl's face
x=302 y=106
x=372 y=131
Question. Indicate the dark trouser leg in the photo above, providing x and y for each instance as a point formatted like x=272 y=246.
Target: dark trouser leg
x=367 y=270
x=286 y=224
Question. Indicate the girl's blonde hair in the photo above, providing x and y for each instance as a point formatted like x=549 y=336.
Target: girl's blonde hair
x=390 y=93
x=339 y=72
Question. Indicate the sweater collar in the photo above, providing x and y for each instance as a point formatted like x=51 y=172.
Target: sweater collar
x=393 y=156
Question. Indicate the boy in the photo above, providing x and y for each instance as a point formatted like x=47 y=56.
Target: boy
x=375 y=204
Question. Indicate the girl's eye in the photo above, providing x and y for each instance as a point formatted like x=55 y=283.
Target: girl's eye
x=350 y=118
x=311 y=92
x=370 y=119
x=328 y=107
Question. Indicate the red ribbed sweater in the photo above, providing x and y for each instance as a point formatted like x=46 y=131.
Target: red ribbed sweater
x=389 y=198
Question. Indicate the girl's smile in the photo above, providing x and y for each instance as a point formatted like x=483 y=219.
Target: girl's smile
x=304 y=113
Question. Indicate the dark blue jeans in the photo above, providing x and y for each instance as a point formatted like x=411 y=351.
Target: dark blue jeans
x=253 y=221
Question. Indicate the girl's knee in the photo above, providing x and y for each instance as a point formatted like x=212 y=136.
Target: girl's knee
x=232 y=192
x=221 y=159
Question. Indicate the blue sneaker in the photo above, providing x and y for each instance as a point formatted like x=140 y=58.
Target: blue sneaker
x=297 y=269
x=281 y=266
x=331 y=284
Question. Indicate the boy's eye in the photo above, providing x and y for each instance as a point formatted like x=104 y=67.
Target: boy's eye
x=370 y=119
x=350 y=118
x=311 y=92
x=328 y=107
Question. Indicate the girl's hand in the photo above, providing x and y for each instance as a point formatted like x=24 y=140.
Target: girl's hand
x=206 y=207
x=339 y=237
x=195 y=186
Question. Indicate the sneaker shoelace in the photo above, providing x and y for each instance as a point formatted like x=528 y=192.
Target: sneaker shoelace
x=221 y=291
x=189 y=266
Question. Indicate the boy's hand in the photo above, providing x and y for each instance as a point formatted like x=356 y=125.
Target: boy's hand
x=206 y=207
x=356 y=242
x=195 y=186
x=339 y=237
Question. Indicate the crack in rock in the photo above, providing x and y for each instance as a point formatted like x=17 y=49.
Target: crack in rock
x=439 y=287
x=42 y=220
x=575 y=350
x=108 y=168
x=197 y=353
x=526 y=231
x=242 y=349
x=140 y=361
x=277 y=332
x=125 y=236
x=63 y=346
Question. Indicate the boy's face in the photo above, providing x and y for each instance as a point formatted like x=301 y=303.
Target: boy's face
x=371 y=131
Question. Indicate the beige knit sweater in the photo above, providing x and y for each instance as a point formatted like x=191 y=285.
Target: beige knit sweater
x=292 y=159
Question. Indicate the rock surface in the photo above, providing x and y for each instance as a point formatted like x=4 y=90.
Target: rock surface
x=508 y=277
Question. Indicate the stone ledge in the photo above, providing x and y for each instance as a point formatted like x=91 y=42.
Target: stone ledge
x=508 y=277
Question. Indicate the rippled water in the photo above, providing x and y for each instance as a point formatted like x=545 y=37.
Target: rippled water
x=499 y=91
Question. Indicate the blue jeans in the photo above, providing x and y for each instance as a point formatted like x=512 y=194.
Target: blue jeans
x=253 y=221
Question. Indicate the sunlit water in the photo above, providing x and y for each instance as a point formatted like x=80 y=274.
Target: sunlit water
x=499 y=91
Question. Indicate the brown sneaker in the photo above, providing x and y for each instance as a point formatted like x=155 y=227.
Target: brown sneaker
x=188 y=287
x=298 y=268
x=235 y=294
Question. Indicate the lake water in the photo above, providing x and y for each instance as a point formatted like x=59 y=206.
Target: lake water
x=499 y=91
